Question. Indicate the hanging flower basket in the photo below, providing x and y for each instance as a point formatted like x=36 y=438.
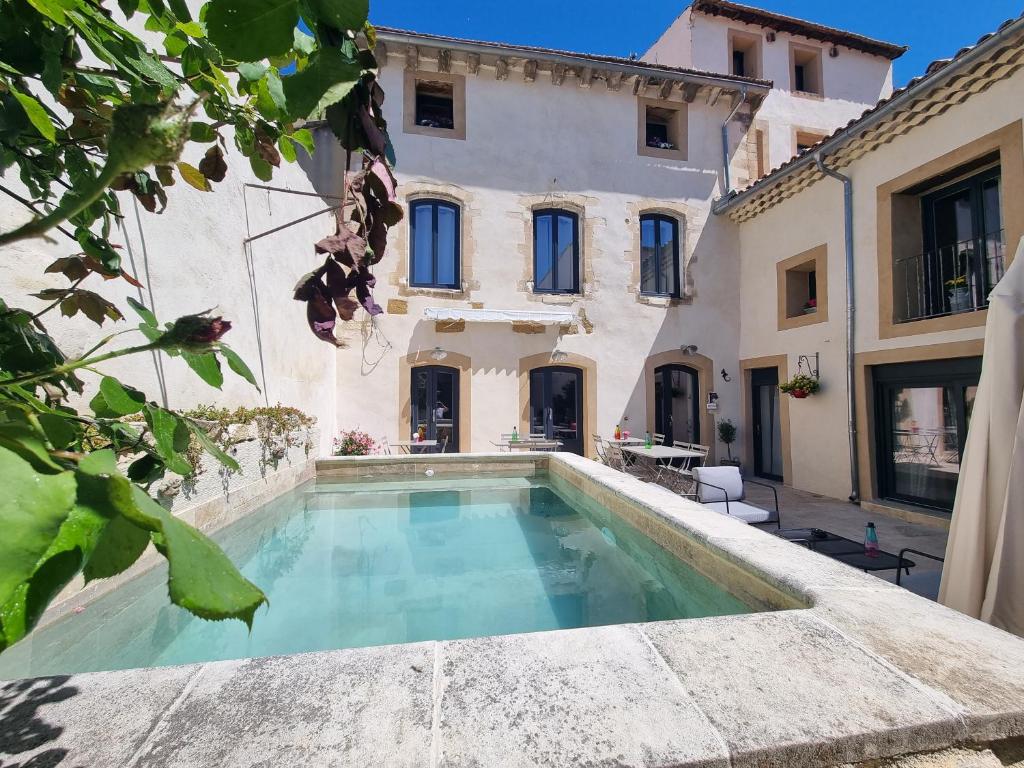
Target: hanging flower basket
x=800 y=386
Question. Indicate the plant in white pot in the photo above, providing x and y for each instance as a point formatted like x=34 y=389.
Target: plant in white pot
x=959 y=294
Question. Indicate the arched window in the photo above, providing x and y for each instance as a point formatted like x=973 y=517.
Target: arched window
x=556 y=251
x=659 y=255
x=434 y=253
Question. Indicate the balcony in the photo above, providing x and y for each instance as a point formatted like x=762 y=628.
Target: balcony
x=948 y=280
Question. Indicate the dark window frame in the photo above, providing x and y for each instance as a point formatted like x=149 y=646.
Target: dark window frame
x=657 y=218
x=425 y=102
x=554 y=214
x=435 y=204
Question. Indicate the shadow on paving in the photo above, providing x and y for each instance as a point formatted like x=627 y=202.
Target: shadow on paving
x=23 y=729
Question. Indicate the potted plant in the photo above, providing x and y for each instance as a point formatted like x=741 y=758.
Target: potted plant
x=811 y=307
x=800 y=386
x=354 y=443
x=727 y=435
x=959 y=294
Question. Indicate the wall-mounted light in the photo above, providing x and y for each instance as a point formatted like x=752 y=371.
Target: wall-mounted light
x=438 y=354
x=558 y=356
x=833 y=52
x=689 y=349
x=725 y=375
x=770 y=36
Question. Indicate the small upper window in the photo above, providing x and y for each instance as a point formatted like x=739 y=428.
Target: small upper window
x=662 y=130
x=745 y=53
x=806 y=139
x=806 y=69
x=434 y=252
x=659 y=255
x=556 y=252
x=435 y=105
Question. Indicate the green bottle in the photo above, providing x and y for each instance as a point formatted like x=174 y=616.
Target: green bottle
x=515 y=435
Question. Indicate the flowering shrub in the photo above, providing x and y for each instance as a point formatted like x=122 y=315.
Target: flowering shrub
x=800 y=385
x=354 y=443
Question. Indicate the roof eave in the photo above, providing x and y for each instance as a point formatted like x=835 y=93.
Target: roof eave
x=910 y=94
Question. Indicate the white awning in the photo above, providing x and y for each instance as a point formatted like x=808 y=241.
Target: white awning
x=543 y=317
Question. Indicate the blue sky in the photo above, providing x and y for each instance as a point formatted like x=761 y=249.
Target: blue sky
x=932 y=28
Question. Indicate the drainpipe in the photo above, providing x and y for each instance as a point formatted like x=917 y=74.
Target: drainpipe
x=725 y=138
x=851 y=405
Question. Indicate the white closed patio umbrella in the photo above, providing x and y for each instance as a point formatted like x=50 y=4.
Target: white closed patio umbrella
x=984 y=571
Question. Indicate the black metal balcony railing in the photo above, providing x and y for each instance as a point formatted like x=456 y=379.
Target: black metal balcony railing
x=948 y=280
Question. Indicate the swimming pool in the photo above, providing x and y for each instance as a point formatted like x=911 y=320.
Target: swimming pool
x=357 y=564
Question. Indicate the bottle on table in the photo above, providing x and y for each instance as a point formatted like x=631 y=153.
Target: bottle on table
x=618 y=432
x=515 y=434
x=871 y=548
x=647 y=440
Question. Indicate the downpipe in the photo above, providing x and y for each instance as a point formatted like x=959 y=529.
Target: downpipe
x=725 y=139
x=851 y=314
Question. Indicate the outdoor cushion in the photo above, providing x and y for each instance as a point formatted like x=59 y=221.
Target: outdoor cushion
x=742 y=511
x=726 y=478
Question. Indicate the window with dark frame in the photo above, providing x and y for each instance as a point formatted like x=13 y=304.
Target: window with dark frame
x=659 y=255
x=435 y=104
x=660 y=132
x=434 y=252
x=800 y=78
x=806 y=70
x=556 y=252
x=739 y=63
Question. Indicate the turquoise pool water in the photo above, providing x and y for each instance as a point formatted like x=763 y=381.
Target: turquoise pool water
x=347 y=566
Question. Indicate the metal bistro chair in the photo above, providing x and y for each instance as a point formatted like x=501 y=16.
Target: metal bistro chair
x=925 y=583
x=385 y=446
x=721 y=489
x=442 y=447
x=659 y=438
x=506 y=438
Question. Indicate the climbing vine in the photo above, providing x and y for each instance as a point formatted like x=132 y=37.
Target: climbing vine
x=88 y=109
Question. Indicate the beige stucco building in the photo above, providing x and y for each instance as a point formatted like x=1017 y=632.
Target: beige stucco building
x=575 y=255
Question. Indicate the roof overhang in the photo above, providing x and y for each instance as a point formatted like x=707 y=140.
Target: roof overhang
x=565 y=66
x=946 y=84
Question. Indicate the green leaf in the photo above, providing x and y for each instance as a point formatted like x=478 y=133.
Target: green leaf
x=171 y=434
x=263 y=170
x=237 y=364
x=207 y=366
x=33 y=507
x=251 y=70
x=202 y=132
x=36 y=114
x=59 y=430
x=120 y=545
x=303 y=43
x=250 y=30
x=201 y=578
x=22 y=438
x=50 y=9
x=120 y=398
x=328 y=78
x=194 y=177
x=212 y=448
x=341 y=14
x=99 y=249
x=287 y=149
x=304 y=137
x=147 y=316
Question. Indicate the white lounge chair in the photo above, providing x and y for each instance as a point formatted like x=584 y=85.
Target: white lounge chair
x=721 y=488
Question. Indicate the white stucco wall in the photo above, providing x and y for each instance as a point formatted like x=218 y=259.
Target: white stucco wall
x=191 y=258
x=538 y=139
x=814 y=216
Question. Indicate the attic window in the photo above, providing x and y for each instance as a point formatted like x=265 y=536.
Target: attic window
x=435 y=105
x=805 y=69
x=661 y=129
x=745 y=54
x=807 y=139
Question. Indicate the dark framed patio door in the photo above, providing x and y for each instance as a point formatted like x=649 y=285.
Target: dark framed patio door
x=767 y=426
x=435 y=405
x=556 y=406
x=922 y=411
x=677 y=403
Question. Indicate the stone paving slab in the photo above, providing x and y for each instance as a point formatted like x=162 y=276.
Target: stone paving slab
x=786 y=689
x=362 y=707
x=570 y=698
x=91 y=721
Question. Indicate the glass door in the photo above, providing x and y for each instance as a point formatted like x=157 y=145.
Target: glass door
x=677 y=403
x=435 y=406
x=765 y=413
x=556 y=406
x=922 y=414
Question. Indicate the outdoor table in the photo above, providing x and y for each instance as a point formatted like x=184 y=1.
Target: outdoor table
x=659 y=453
x=528 y=444
x=845 y=550
x=624 y=441
x=408 y=445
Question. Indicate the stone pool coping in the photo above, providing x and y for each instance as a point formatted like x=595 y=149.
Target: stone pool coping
x=852 y=669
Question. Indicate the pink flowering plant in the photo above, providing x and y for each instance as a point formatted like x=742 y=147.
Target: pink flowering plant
x=354 y=443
